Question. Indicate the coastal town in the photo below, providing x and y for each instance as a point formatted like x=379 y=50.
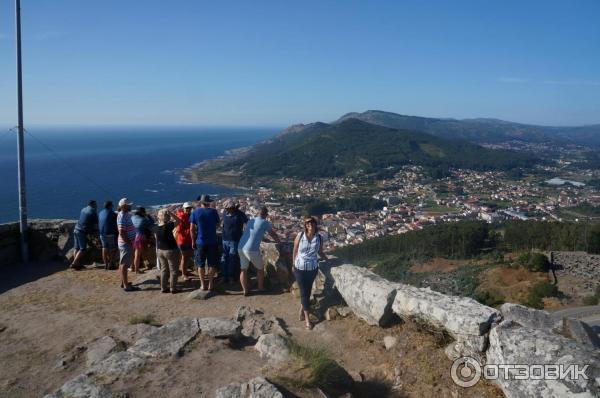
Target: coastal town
x=411 y=200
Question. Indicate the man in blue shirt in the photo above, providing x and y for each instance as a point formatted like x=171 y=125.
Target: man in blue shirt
x=203 y=223
x=233 y=226
x=88 y=223
x=107 y=224
x=249 y=249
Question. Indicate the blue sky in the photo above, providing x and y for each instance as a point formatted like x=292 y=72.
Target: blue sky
x=282 y=62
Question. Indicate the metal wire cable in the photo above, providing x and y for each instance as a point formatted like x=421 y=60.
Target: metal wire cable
x=68 y=165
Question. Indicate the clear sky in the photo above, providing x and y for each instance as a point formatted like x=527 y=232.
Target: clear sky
x=196 y=62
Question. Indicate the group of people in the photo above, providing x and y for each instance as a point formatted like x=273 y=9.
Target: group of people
x=192 y=232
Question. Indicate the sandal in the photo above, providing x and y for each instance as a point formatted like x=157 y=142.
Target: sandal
x=301 y=314
x=308 y=326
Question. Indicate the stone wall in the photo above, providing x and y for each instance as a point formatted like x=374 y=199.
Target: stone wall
x=584 y=267
x=515 y=335
x=49 y=240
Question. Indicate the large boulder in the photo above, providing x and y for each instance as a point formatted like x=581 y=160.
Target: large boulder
x=168 y=339
x=116 y=365
x=528 y=317
x=255 y=388
x=99 y=349
x=255 y=324
x=458 y=315
x=511 y=344
x=274 y=348
x=218 y=327
x=367 y=294
x=581 y=332
x=277 y=262
x=81 y=387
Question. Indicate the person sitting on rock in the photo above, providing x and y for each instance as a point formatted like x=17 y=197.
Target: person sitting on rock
x=184 y=237
x=88 y=223
x=305 y=265
x=167 y=252
x=249 y=249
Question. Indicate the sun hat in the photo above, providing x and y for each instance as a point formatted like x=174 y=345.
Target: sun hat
x=187 y=205
x=125 y=201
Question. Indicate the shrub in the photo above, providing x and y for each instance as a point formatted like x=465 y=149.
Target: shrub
x=323 y=372
x=148 y=319
x=488 y=298
x=534 y=262
x=538 y=292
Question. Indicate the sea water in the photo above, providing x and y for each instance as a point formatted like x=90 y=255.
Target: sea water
x=66 y=167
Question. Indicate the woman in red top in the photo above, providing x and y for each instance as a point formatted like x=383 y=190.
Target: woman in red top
x=183 y=237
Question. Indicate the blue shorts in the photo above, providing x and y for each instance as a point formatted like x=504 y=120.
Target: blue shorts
x=80 y=239
x=108 y=241
x=206 y=254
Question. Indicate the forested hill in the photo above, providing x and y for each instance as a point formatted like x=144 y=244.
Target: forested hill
x=482 y=130
x=323 y=150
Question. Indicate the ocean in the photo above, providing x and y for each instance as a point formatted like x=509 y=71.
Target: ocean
x=66 y=167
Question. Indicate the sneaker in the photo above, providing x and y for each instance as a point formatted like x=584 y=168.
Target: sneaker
x=166 y=291
x=131 y=288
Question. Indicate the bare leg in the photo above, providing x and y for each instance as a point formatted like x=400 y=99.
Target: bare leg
x=137 y=257
x=183 y=263
x=201 y=275
x=244 y=281
x=123 y=273
x=260 y=275
x=112 y=257
x=105 y=258
x=77 y=259
x=211 y=275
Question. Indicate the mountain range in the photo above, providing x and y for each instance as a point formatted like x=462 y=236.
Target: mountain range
x=482 y=130
x=352 y=146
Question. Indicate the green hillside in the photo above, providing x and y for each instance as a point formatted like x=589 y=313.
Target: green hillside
x=351 y=146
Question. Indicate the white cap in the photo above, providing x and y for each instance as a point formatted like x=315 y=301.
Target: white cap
x=124 y=202
x=188 y=205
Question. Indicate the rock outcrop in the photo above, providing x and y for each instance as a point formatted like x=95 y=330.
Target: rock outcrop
x=167 y=340
x=368 y=295
x=255 y=388
x=81 y=387
x=529 y=317
x=511 y=344
x=274 y=348
x=218 y=327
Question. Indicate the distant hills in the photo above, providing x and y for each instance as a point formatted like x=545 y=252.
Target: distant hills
x=482 y=130
x=351 y=145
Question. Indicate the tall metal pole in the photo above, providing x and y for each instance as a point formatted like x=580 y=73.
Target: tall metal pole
x=20 y=142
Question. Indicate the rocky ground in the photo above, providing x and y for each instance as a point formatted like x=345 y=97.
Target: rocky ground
x=53 y=325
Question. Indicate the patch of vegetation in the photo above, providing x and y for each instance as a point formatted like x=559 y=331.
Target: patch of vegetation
x=539 y=291
x=354 y=204
x=316 y=369
x=534 y=262
x=491 y=299
x=148 y=319
x=594 y=299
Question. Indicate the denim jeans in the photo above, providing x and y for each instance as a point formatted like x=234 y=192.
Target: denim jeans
x=305 y=281
x=230 y=249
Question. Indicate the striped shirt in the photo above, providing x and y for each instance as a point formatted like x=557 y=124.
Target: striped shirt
x=308 y=251
x=126 y=227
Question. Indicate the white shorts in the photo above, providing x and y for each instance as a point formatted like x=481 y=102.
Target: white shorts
x=250 y=257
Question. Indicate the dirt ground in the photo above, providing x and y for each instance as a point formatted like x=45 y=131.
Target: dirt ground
x=48 y=312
